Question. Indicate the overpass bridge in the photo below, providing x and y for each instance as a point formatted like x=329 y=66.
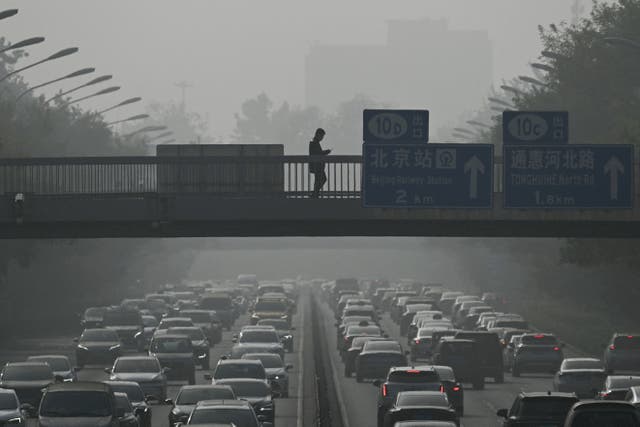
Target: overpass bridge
x=95 y=197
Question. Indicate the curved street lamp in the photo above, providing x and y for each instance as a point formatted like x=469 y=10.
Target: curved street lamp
x=8 y=13
x=460 y=135
x=23 y=43
x=60 y=54
x=479 y=124
x=129 y=119
x=90 y=83
x=553 y=55
x=102 y=92
x=532 y=81
x=501 y=102
x=78 y=73
x=122 y=104
x=146 y=130
x=162 y=135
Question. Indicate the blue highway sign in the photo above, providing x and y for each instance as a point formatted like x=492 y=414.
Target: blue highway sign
x=427 y=175
x=568 y=176
x=404 y=126
x=530 y=127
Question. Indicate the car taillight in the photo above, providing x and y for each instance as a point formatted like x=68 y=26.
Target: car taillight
x=612 y=347
x=441 y=388
x=413 y=371
x=630 y=336
x=416 y=341
x=539 y=336
x=456 y=388
x=556 y=348
x=384 y=390
x=346 y=339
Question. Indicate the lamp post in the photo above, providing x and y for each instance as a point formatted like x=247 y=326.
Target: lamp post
x=102 y=92
x=91 y=83
x=122 y=104
x=23 y=43
x=146 y=129
x=8 y=13
x=129 y=119
x=60 y=54
x=78 y=73
x=162 y=135
x=532 y=81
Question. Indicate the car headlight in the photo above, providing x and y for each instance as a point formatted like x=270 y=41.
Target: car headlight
x=82 y=347
x=158 y=377
x=288 y=337
x=284 y=316
x=114 y=347
x=16 y=420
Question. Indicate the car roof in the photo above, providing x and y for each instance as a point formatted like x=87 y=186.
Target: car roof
x=47 y=356
x=27 y=364
x=137 y=358
x=187 y=319
x=220 y=403
x=79 y=386
x=124 y=383
x=239 y=362
x=205 y=387
x=240 y=380
x=586 y=405
x=541 y=394
x=169 y=336
x=407 y=368
x=8 y=391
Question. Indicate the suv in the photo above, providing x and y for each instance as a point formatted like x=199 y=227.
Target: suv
x=537 y=353
x=405 y=378
x=208 y=321
x=176 y=353
x=377 y=357
x=128 y=325
x=222 y=304
x=489 y=353
x=622 y=353
x=462 y=357
x=598 y=413
x=538 y=409
x=80 y=404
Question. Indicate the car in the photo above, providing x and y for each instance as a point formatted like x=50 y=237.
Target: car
x=172 y=322
x=141 y=407
x=361 y=310
x=97 y=346
x=422 y=345
x=410 y=312
x=537 y=352
x=284 y=330
x=257 y=392
x=276 y=370
x=176 y=353
x=412 y=330
x=357 y=331
x=238 y=368
x=420 y=405
x=377 y=357
x=27 y=379
x=616 y=386
x=257 y=341
x=601 y=414
x=144 y=370
x=199 y=342
x=342 y=326
x=225 y=412
x=462 y=356
x=92 y=317
x=583 y=376
x=452 y=387
x=404 y=378
x=622 y=353
x=353 y=352
x=542 y=409
x=425 y=424
x=189 y=395
x=60 y=364
x=207 y=320
x=222 y=303
x=508 y=321
x=126 y=415
x=633 y=396
x=149 y=325
x=11 y=411
x=462 y=311
x=469 y=318
x=79 y=404
x=447 y=300
x=489 y=353
x=127 y=324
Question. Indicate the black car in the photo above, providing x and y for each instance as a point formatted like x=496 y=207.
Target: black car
x=92 y=317
x=97 y=346
x=128 y=325
x=602 y=413
x=189 y=395
x=353 y=352
x=176 y=353
x=199 y=342
x=489 y=352
x=377 y=357
x=27 y=379
x=134 y=392
x=257 y=392
x=222 y=304
x=461 y=356
x=548 y=409
x=453 y=389
x=79 y=404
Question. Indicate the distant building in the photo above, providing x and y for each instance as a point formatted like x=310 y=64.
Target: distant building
x=423 y=64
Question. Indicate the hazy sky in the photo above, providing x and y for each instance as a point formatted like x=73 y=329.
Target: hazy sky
x=231 y=50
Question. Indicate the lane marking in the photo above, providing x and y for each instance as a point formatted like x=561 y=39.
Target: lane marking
x=300 y=422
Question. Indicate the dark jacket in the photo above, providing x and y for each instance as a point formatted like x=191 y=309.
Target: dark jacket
x=316 y=150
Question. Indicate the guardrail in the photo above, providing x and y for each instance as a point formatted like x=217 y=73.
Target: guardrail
x=271 y=176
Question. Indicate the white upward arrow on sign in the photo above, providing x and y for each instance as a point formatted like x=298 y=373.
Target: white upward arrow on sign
x=612 y=168
x=473 y=166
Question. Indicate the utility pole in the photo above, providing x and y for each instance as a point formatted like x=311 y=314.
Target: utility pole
x=183 y=86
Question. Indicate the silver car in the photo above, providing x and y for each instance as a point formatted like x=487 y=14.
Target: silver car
x=145 y=370
x=582 y=376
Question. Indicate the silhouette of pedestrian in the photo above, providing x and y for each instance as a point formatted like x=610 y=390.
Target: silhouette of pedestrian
x=317 y=168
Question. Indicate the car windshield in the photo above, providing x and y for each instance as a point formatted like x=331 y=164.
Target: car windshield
x=630 y=342
x=382 y=346
x=259 y=336
x=458 y=348
x=270 y=306
x=171 y=345
x=422 y=399
x=136 y=365
x=239 y=370
x=56 y=363
x=278 y=324
x=582 y=364
x=539 y=340
x=249 y=388
x=191 y=396
x=413 y=376
x=76 y=404
x=133 y=391
x=99 y=335
x=27 y=373
x=605 y=419
x=622 y=381
x=269 y=361
x=194 y=334
x=516 y=324
x=197 y=317
x=546 y=407
x=216 y=303
x=224 y=416
x=363 y=330
x=8 y=401
x=95 y=312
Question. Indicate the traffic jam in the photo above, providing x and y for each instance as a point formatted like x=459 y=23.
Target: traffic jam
x=155 y=354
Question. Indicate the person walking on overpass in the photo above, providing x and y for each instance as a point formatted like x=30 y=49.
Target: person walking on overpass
x=315 y=167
